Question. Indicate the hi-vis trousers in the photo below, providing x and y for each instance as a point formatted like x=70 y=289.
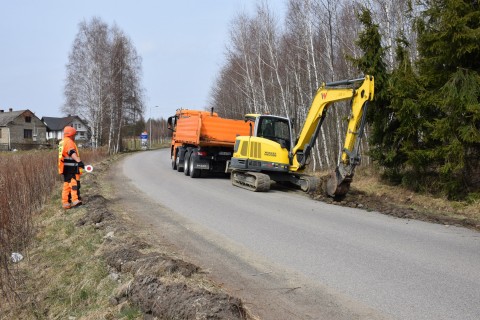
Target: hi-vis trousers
x=71 y=188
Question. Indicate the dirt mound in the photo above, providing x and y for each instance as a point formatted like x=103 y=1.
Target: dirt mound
x=118 y=257
x=159 y=286
x=97 y=213
x=161 y=265
x=129 y=259
x=179 y=301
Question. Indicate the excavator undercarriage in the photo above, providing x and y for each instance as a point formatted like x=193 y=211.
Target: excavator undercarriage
x=261 y=182
x=253 y=181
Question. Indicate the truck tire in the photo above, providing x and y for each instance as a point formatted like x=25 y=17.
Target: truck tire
x=194 y=173
x=186 y=164
x=177 y=162
x=174 y=162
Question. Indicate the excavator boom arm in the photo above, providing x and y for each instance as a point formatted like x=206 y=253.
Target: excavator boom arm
x=326 y=95
x=357 y=117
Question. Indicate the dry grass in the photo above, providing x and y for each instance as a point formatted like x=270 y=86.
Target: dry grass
x=26 y=182
x=26 y=179
x=62 y=279
x=368 y=181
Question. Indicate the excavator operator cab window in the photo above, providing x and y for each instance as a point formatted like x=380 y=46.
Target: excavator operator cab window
x=275 y=129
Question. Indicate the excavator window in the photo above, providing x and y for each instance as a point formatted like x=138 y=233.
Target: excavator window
x=268 y=129
x=275 y=129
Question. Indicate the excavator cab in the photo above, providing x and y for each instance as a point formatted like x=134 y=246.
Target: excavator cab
x=277 y=129
x=268 y=146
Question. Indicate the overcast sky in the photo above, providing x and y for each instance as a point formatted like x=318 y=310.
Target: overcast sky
x=182 y=44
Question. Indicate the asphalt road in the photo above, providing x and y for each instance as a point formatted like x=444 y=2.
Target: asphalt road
x=331 y=262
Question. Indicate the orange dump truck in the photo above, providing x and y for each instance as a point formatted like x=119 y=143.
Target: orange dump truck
x=202 y=141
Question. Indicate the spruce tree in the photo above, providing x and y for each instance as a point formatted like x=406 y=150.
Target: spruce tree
x=449 y=66
x=379 y=115
x=458 y=133
x=403 y=89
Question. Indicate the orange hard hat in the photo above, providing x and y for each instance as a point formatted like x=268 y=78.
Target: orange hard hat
x=69 y=131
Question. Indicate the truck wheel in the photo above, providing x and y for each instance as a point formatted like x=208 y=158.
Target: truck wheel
x=177 y=163
x=186 y=164
x=194 y=173
x=174 y=162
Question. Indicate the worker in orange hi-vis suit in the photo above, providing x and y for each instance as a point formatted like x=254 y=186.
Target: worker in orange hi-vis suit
x=69 y=165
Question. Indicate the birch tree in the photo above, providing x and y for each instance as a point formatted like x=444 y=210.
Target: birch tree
x=86 y=88
x=103 y=82
x=269 y=37
x=241 y=52
x=126 y=72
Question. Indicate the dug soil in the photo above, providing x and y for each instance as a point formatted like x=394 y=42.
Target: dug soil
x=401 y=203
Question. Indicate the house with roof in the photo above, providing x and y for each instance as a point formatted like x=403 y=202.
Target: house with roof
x=21 y=130
x=55 y=128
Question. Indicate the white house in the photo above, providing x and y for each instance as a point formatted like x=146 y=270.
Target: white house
x=55 y=128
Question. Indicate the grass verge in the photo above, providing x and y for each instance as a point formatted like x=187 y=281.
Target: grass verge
x=63 y=279
x=369 y=192
x=90 y=263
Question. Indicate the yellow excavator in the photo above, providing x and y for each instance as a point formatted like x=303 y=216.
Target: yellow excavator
x=270 y=153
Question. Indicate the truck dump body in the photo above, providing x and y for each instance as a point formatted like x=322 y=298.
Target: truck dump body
x=201 y=128
x=202 y=141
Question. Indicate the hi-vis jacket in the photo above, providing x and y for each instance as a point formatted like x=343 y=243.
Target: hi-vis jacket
x=66 y=164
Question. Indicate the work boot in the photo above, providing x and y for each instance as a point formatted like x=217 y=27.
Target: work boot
x=76 y=203
x=66 y=206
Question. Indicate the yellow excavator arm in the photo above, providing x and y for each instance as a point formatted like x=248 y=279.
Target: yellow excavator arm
x=325 y=96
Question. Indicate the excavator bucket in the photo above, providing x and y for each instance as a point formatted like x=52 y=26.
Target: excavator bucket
x=336 y=186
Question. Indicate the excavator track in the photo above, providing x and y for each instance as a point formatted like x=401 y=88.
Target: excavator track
x=253 y=181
